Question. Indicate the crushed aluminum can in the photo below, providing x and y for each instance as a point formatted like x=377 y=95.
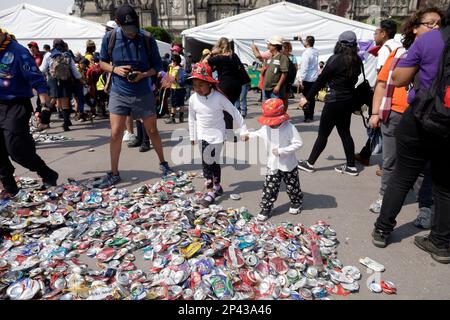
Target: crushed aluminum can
x=375 y=287
x=235 y=196
x=388 y=287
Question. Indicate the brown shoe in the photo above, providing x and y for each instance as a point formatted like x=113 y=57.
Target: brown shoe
x=362 y=160
x=379 y=172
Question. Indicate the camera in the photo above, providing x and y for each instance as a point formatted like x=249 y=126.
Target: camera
x=132 y=76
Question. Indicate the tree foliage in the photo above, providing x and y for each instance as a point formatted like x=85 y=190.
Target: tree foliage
x=160 y=34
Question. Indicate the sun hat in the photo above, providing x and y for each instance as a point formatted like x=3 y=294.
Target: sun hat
x=273 y=113
x=276 y=40
x=111 y=24
x=203 y=72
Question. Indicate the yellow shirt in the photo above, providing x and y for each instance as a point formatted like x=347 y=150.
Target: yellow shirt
x=173 y=71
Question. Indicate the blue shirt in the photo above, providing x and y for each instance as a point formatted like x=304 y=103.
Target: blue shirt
x=131 y=52
x=19 y=73
x=309 y=69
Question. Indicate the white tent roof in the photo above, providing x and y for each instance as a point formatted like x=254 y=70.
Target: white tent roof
x=31 y=23
x=284 y=19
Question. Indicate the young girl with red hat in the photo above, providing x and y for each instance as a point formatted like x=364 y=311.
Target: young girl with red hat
x=282 y=140
x=207 y=126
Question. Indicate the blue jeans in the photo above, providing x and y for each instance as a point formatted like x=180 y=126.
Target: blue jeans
x=242 y=98
x=268 y=94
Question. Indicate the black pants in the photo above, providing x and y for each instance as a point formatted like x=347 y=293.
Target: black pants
x=272 y=187
x=335 y=114
x=415 y=148
x=16 y=141
x=309 y=112
x=211 y=163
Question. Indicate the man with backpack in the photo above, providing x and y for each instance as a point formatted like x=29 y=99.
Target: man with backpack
x=423 y=135
x=19 y=75
x=131 y=56
x=309 y=72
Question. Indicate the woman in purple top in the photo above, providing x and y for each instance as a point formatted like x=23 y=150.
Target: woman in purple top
x=416 y=147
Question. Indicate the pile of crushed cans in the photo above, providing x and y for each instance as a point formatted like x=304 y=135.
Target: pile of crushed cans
x=48 y=238
x=42 y=137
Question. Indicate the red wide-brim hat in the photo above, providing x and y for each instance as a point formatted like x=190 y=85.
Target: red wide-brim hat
x=203 y=72
x=273 y=113
x=273 y=121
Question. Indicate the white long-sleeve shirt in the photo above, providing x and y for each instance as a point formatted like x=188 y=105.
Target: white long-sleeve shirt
x=206 y=120
x=309 y=67
x=286 y=139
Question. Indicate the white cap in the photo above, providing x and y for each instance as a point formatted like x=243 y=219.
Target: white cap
x=111 y=24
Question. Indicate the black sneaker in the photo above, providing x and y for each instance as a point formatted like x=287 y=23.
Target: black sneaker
x=380 y=238
x=145 y=147
x=10 y=185
x=51 y=179
x=305 y=166
x=347 y=170
x=134 y=143
x=165 y=168
x=264 y=215
x=441 y=255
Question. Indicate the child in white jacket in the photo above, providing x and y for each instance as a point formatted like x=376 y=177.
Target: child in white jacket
x=207 y=126
x=282 y=140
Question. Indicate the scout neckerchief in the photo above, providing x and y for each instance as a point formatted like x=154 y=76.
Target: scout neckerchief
x=6 y=42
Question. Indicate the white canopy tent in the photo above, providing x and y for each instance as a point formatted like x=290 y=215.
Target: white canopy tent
x=30 y=23
x=284 y=19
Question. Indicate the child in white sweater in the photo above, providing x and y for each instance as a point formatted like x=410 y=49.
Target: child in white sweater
x=207 y=126
x=282 y=140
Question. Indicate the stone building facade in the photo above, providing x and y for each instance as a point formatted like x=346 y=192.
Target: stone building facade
x=178 y=15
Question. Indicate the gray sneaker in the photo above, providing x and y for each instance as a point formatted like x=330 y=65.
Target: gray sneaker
x=423 y=220
x=376 y=206
x=441 y=255
x=110 y=180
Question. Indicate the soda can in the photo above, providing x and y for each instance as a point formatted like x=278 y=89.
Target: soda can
x=375 y=287
x=293 y=276
x=319 y=292
x=388 y=287
x=123 y=278
x=188 y=294
x=251 y=260
x=306 y=294
x=312 y=272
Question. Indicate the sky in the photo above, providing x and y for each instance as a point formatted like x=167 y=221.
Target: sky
x=55 y=5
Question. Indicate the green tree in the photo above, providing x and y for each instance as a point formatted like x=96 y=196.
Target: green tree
x=160 y=34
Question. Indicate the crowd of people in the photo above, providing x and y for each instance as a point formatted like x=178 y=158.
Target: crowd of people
x=128 y=80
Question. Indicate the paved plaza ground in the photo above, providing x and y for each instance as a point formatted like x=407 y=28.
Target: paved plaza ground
x=341 y=200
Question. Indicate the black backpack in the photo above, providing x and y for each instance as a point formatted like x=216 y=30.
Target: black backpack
x=432 y=107
x=292 y=73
